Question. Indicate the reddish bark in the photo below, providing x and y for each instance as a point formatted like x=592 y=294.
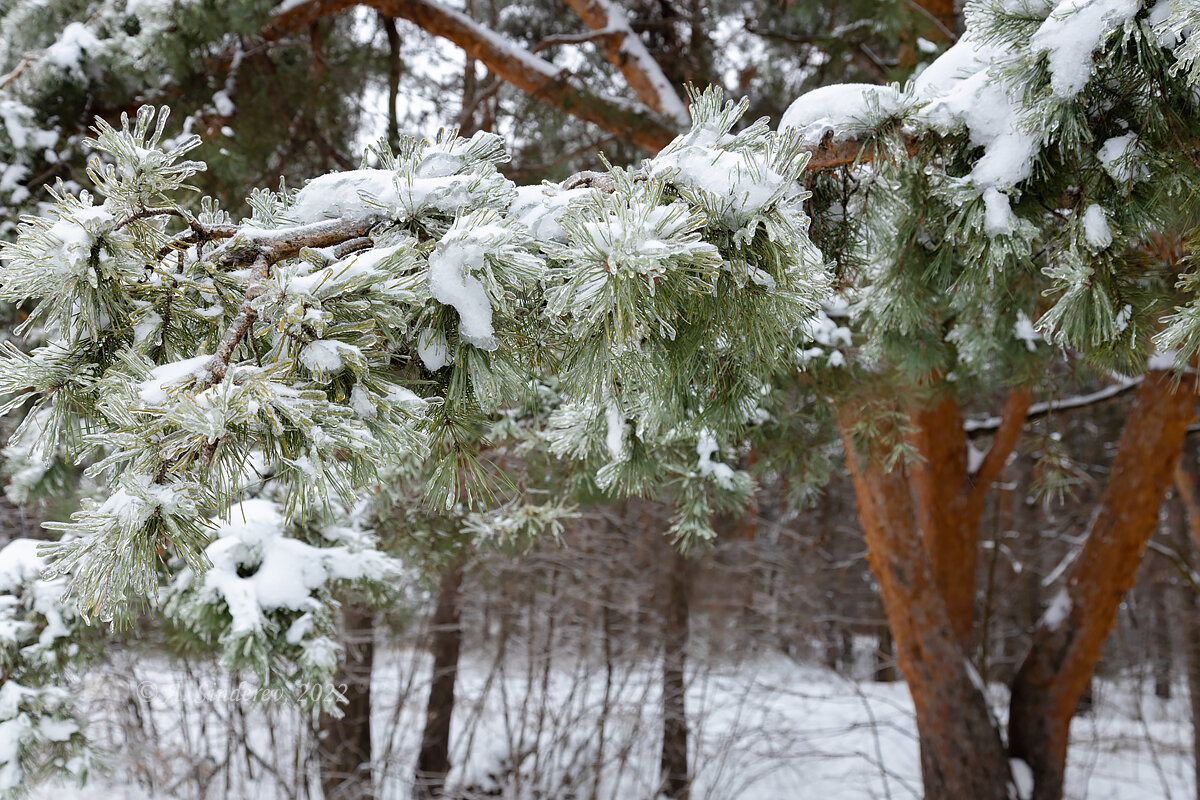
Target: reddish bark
x=646 y=80
x=949 y=502
x=1064 y=652
x=962 y=754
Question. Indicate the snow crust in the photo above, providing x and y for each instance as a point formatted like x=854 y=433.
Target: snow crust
x=539 y=208
x=1117 y=155
x=72 y=44
x=738 y=179
x=164 y=378
x=71 y=237
x=842 y=110
x=1072 y=32
x=432 y=349
x=461 y=251
x=1095 y=227
x=21 y=584
x=284 y=572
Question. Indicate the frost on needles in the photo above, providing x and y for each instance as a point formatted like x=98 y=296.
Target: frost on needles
x=379 y=318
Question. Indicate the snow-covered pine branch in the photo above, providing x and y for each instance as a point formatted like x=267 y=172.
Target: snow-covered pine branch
x=1034 y=171
x=385 y=314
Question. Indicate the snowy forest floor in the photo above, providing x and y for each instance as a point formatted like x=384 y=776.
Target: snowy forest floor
x=765 y=729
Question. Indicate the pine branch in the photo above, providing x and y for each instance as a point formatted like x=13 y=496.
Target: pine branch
x=240 y=325
x=601 y=35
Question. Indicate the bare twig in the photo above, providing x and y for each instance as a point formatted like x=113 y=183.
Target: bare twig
x=975 y=427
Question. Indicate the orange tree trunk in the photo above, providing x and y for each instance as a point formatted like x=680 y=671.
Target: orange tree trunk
x=949 y=499
x=1067 y=645
x=962 y=754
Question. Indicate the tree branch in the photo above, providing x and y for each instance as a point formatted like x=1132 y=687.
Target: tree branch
x=628 y=53
x=577 y=38
x=976 y=427
x=280 y=243
x=535 y=76
x=219 y=366
x=1016 y=411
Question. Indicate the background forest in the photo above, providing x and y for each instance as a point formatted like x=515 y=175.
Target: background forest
x=555 y=633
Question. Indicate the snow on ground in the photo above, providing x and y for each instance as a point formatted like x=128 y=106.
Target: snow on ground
x=763 y=730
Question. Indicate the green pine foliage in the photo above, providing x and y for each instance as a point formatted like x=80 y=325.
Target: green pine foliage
x=385 y=314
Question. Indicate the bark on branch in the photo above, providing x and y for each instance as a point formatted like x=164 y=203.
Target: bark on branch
x=628 y=53
x=535 y=76
x=961 y=751
x=950 y=501
x=1016 y=411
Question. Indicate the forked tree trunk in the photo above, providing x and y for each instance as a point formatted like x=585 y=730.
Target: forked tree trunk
x=433 y=761
x=344 y=744
x=676 y=783
x=912 y=530
x=1066 y=647
x=962 y=755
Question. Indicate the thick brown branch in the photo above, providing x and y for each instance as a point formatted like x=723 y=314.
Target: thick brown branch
x=1012 y=421
x=961 y=749
x=831 y=154
x=939 y=486
x=535 y=76
x=628 y=53
x=282 y=243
